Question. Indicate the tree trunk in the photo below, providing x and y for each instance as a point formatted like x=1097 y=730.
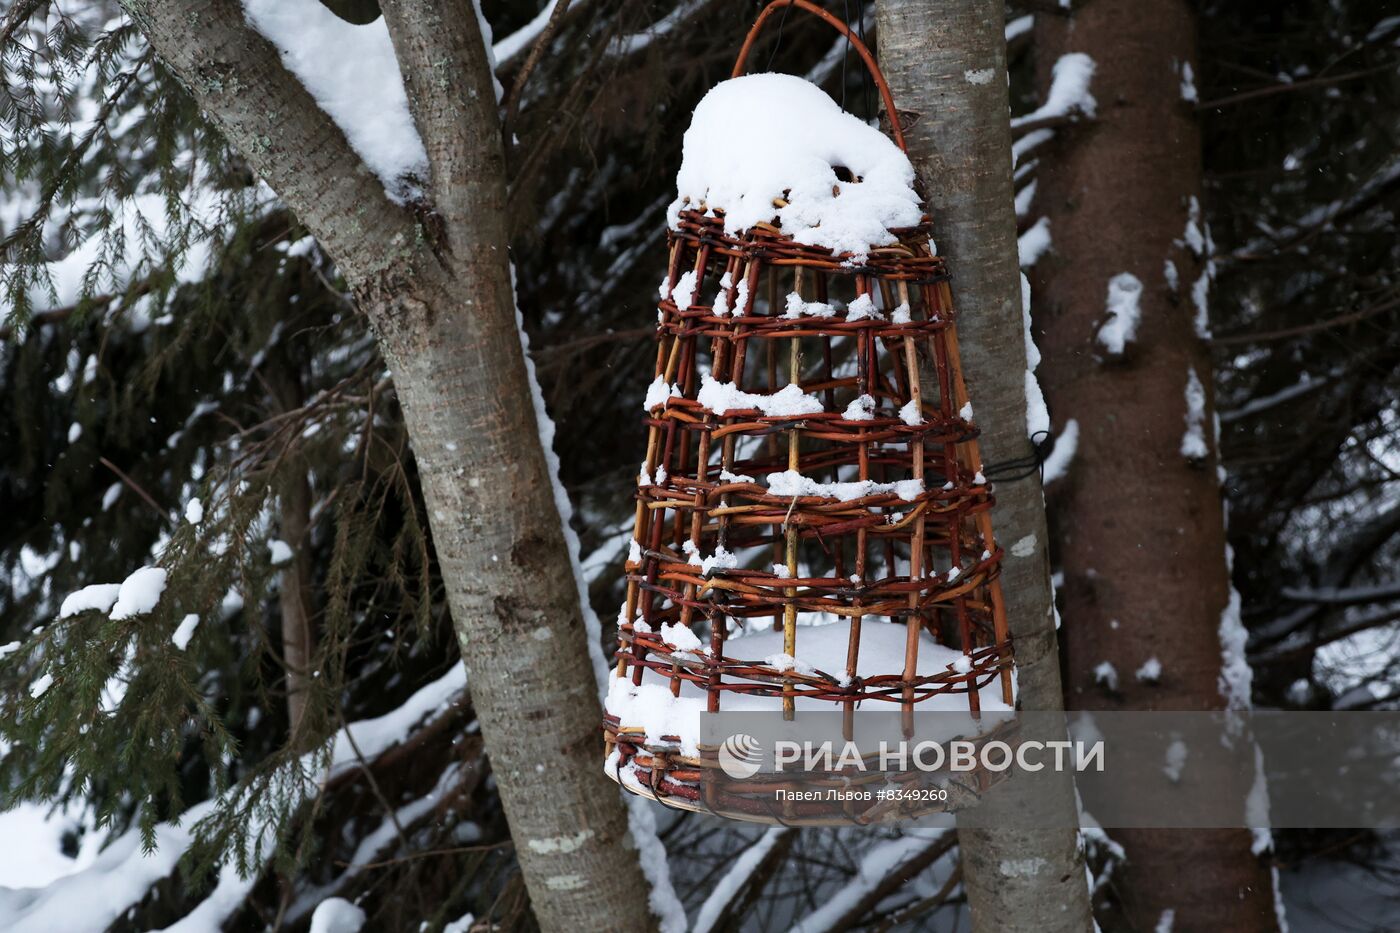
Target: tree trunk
x=946 y=63
x=1139 y=516
x=442 y=306
x=294 y=602
x=294 y=582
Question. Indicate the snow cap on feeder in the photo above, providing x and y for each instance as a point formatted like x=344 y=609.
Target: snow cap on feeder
x=776 y=148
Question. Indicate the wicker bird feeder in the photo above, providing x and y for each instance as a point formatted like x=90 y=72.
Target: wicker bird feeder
x=813 y=529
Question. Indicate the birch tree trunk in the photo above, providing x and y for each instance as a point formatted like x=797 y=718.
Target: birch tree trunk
x=946 y=63
x=1139 y=516
x=440 y=300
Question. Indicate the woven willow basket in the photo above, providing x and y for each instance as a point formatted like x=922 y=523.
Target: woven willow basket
x=927 y=563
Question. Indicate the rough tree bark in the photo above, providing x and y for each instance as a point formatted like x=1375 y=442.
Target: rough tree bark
x=1141 y=525
x=946 y=63
x=440 y=300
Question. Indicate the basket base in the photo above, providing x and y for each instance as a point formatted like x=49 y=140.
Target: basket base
x=842 y=797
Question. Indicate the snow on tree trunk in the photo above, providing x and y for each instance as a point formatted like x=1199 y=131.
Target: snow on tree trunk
x=1139 y=513
x=946 y=62
x=441 y=304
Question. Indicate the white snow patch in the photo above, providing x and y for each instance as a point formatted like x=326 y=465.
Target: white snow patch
x=863 y=307
x=279 y=552
x=1193 y=442
x=1106 y=675
x=684 y=292
x=1019 y=26
x=194 y=511
x=797 y=308
x=1037 y=414
x=1069 y=91
x=1032 y=244
x=1020 y=147
x=793 y=483
x=1256 y=807
x=1150 y=672
x=1188 y=84
x=181 y=638
x=1124 y=312
x=658 y=392
x=41 y=685
x=139 y=593
x=1195 y=239
x=1200 y=298
x=1056 y=465
x=1024 y=199
x=99 y=596
x=1236 y=677
x=979 y=75
x=721 y=559
x=788 y=402
x=1176 y=760
x=337 y=915
x=862 y=408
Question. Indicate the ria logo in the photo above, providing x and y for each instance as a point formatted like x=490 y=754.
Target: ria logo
x=740 y=756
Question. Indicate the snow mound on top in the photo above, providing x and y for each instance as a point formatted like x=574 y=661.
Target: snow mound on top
x=766 y=136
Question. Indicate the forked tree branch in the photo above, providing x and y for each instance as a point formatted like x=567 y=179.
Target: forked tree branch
x=452 y=95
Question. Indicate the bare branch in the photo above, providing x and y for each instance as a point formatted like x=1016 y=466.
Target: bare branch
x=517 y=88
x=17 y=16
x=1285 y=87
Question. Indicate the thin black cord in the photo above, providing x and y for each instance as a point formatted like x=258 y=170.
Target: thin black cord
x=779 y=40
x=866 y=83
x=846 y=6
x=1009 y=471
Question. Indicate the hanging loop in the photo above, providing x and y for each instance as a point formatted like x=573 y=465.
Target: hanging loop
x=852 y=38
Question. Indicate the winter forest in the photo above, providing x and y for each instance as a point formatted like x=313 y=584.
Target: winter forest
x=331 y=341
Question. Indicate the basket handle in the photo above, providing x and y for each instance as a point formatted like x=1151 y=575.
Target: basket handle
x=843 y=29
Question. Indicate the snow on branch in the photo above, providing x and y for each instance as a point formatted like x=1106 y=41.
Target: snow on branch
x=1062 y=454
x=1193 y=441
x=734 y=880
x=1068 y=98
x=121 y=876
x=507 y=47
x=1343 y=596
x=352 y=74
x=882 y=865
